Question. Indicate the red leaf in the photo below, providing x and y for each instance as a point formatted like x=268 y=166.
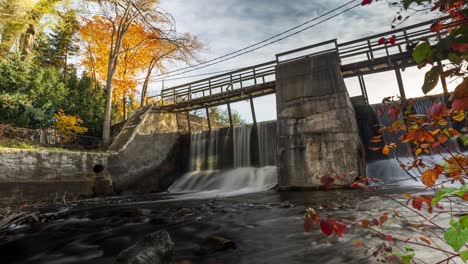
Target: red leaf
x=381 y=41
x=417 y=203
x=436 y=6
x=383 y=219
x=435 y=109
x=375 y=222
x=308 y=224
x=458 y=104
x=393 y=112
x=461 y=47
x=339 y=228
x=392 y=40
x=436 y=27
x=366 y=2
x=389 y=238
x=326 y=225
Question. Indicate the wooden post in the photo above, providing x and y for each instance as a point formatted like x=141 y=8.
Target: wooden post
x=363 y=87
x=252 y=108
x=400 y=83
x=188 y=122
x=230 y=115
x=208 y=118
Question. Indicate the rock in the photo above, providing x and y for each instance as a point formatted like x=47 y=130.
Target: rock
x=213 y=244
x=155 y=248
x=185 y=211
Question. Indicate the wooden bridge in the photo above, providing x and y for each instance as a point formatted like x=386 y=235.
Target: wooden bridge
x=358 y=58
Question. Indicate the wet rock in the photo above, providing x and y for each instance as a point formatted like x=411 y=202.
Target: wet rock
x=155 y=248
x=213 y=244
x=185 y=211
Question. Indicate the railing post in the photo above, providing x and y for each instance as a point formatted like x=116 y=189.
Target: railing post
x=255 y=76
x=162 y=97
x=370 y=49
x=173 y=91
x=190 y=92
x=209 y=87
x=232 y=84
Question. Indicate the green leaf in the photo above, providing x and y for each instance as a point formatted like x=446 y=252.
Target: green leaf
x=457 y=235
x=445 y=192
x=407 y=258
x=421 y=52
x=455 y=58
x=464 y=255
x=431 y=79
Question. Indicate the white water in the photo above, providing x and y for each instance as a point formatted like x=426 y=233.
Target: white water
x=226 y=182
x=391 y=174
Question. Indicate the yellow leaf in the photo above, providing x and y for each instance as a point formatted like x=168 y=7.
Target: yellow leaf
x=418 y=151
x=407 y=195
x=386 y=150
x=435 y=132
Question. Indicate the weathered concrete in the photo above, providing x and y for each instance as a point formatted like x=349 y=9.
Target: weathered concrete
x=146 y=151
x=21 y=170
x=143 y=158
x=317 y=129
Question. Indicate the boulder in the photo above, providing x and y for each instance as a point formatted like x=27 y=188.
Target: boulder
x=155 y=248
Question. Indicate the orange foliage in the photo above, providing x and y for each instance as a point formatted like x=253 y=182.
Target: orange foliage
x=139 y=47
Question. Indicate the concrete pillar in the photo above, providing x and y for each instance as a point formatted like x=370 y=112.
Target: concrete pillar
x=317 y=130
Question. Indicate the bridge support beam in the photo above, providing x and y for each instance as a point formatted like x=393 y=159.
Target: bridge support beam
x=317 y=128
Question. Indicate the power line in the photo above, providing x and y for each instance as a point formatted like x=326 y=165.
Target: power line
x=193 y=76
x=228 y=56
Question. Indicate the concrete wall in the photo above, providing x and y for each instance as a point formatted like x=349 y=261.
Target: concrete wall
x=146 y=152
x=41 y=172
x=143 y=158
x=317 y=130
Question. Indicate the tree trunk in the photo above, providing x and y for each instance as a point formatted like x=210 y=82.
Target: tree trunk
x=144 y=89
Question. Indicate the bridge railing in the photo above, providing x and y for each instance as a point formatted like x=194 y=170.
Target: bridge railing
x=219 y=84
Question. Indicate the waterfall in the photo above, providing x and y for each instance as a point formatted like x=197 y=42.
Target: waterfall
x=267 y=132
x=242 y=144
x=222 y=161
x=239 y=180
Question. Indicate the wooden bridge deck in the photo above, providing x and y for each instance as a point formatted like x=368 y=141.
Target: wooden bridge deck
x=358 y=57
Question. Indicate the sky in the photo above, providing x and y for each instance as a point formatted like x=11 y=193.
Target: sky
x=225 y=26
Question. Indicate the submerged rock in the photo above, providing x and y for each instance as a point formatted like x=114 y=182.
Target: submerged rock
x=213 y=244
x=155 y=248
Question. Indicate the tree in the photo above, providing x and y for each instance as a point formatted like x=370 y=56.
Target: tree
x=182 y=50
x=222 y=117
x=20 y=17
x=53 y=49
x=124 y=18
x=29 y=96
x=85 y=99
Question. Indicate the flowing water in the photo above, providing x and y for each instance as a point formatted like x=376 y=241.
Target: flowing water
x=209 y=177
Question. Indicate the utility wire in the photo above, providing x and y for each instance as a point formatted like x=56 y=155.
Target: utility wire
x=193 y=76
x=240 y=51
